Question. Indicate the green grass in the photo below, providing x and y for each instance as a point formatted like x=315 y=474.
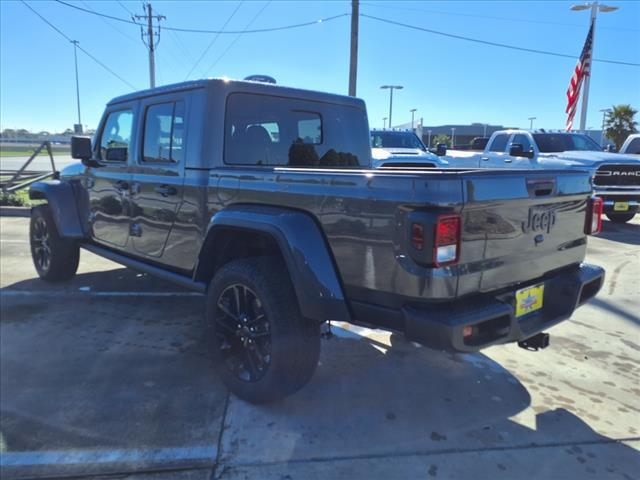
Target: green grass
x=19 y=198
x=27 y=151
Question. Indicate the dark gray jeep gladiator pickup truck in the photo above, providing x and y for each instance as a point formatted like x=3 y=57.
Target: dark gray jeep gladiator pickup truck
x=264 y=199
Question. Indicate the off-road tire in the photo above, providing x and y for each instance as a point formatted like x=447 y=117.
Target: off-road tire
x=620 y=217
x=55 y=258
x=294 y=341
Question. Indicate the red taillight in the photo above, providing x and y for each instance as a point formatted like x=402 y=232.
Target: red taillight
x=594 y=216
x=417 y=236
x=446 y=245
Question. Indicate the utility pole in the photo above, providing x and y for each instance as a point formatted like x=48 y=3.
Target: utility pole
x=78 y=127
x=531 y=119
x=605 y=112
x=353 y=63
x=413 y=111
x=429 y=139
x=453 y=136
x=595 y=8
x=391 y=88
x=150 y=43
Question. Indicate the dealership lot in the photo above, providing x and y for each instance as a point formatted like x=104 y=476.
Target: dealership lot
x=109 y=374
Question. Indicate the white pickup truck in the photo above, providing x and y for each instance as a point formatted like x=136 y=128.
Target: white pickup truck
x=616 y=177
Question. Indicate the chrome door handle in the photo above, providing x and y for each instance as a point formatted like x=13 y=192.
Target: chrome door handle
x=507 y=160
x=485 y=159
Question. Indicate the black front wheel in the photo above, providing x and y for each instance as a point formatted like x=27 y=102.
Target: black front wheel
x=263 y=348
x=620 y=217
x=56 y=258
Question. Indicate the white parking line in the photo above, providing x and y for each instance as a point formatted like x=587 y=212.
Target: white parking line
x=85 y=457
x=35 y=293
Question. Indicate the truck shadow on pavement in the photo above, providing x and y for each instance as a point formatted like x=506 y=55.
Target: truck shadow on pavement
x=83 y=373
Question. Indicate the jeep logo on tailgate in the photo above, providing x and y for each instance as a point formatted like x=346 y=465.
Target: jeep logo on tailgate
x=539 y=220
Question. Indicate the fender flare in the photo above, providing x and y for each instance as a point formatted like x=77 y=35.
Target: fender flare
x=304 y=249
x=62 y=202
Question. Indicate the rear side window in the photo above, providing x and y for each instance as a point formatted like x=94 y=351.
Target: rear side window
x=634 y=146
x=499 y=143
x=115 y=138
x=163 y=133
x=267 y=130
x=522 y=140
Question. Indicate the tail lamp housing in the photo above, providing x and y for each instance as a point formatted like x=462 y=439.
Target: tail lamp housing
x=593 y=223
x=446 y=243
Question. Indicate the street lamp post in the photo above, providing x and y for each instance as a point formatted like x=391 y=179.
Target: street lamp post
x=429 y=139
x=413 y=111
x=453 y=136
x=531 y=119
x=391 y=88
x=595 y=8
x=605 y=112
x=78 y=128
x=485 y=130
x=384 y=122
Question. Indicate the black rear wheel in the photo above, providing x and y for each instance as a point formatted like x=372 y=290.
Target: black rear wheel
x=620 y=217
x=56 y=258
x=264 y=349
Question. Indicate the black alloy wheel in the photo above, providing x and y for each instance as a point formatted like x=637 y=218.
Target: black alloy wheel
x=244 y=333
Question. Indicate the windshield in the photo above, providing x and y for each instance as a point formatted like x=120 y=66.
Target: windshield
x=564 y=142
x=396 y=140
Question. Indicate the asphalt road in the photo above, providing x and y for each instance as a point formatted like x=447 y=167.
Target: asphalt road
x=39 y=164
x=108 y=373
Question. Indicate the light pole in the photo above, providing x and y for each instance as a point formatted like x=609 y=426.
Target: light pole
x=485 y=130
x=453 y=136
x=384 y=122
x=531 y=119
x=429 y=139
x=605 y=112
x=595 y=8
x=391 y=88
x=413 y=111
x=78 y=126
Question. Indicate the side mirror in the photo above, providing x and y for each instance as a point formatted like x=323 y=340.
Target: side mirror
x=441 y=149
x=80 y=148
x=516 y=150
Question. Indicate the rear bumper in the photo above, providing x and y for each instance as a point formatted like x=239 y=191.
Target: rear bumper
x=611 y=195
x=441 y=326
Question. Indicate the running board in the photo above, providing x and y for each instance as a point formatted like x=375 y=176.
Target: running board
x=146 y=268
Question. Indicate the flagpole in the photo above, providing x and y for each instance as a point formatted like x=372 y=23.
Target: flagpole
x=595 y=8
x=587 y=81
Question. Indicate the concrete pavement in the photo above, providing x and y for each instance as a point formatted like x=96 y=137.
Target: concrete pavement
x=108 y=373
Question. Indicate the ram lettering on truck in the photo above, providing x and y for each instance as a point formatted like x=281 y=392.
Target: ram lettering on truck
x=264 y=199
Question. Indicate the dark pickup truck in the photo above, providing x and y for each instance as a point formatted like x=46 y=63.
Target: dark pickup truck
x=264 y=199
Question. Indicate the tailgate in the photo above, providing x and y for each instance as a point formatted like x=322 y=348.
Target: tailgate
x=519 y=225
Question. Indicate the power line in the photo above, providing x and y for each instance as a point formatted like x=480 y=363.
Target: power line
x=505 y=19
x=111 y=25
x=493 y=44
x=220 y=32
x=238 y=37
x=79 y=47
x=206 y=50
x=124 y=7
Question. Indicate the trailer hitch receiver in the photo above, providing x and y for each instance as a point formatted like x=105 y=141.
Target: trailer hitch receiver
x=535 y=343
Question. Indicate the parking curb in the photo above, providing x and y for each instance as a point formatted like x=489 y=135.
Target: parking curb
x=15 y=211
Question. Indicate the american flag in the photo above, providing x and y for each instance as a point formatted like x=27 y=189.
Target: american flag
x=582 y=70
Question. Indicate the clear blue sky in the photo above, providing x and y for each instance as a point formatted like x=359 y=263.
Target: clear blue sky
x=447 y=80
